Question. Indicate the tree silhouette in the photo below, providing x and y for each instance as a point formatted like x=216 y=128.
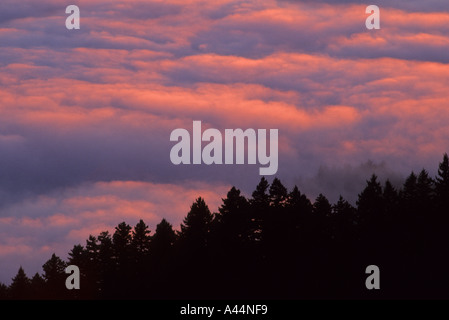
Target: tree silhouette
x=121 y=246
x=195 y=227
x=370 y=206
x=20 y=286
x=162 y=262
x=140 y=246
x=260 y=204
x=4 y=291
x=163 y=240
x=54 y=275
x=274 y=245
x=36 y=285
x=442 y=182
x=193 y=246
x=141 y=238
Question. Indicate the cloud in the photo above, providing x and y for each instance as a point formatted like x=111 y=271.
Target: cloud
x=32 y=230
x=346 y=181
x=86 y=115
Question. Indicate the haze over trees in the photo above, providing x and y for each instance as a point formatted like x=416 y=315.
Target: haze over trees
x=277 y=244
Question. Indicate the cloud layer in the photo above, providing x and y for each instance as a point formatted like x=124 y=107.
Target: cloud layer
x=86 y=115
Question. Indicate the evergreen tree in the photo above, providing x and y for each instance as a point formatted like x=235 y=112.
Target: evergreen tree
x=141 y=238
x=4 y=291
x=121 y=241
x=121 y=245
x=106 y=274
x=442 y=184
x=259 y=209
x=409 y=193
x=344 y=221
x=425 y=194
x=37 y=283
x=299 y=203
x=274 y=231
x=20 y=286
x=322 y=207
x=163 y=266
x=232 y=220
x=260 y=197
x=193 y=246
x=163 y=240
x=299 y=213
x=54 y=275
x=195 y=226
x=370 y=204
x=390 y=199
x=278 y=194
x=140 y=245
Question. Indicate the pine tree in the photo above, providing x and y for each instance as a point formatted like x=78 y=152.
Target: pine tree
x=370 y=204
x=106 y=273
x=141 y=238
x=425 y=188
x=4 y=291
x=232 y=220
x=163 y=240
x=54 y=275
x=442 y=184
x=409 y=193
x=260 y=197
x=37 y=283
x=121 y=244
x=259 y=209
x=299 y=203
x=278 y=194
x=163 y=268
x=77 y=256
x=195 y=226
x=20 y=286
x=322 y=206
x=121 y=240
x=390 y=197
x=194 y=240
x=344 y=221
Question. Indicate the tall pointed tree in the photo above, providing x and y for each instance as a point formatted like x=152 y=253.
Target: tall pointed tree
x=4 y=291
x=20 y=286
x=370 y=204
x=299 y=202
x=121 y=240
x=322 y=206
x=37 y=283
x=344 y=221
x=442 y=184
x=54 y=275
x=194 y=240
x=163 y=240
x=260 y=197
x=278 y=194
x=259 y=209
x=390 y=197
x=141 y=238
x=425 y=188
x=106 y=263
x=195 y=226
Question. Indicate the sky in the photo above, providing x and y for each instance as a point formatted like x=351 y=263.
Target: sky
x=86 y=115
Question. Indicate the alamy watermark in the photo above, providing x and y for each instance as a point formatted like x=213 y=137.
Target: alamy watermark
x=72 y=281
x=212 y=153
x=373 y=280
x=73 y=21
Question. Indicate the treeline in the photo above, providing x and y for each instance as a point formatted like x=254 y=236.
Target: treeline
x=275 y=245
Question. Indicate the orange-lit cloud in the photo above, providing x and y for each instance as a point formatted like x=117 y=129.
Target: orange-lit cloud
x=85 y=116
